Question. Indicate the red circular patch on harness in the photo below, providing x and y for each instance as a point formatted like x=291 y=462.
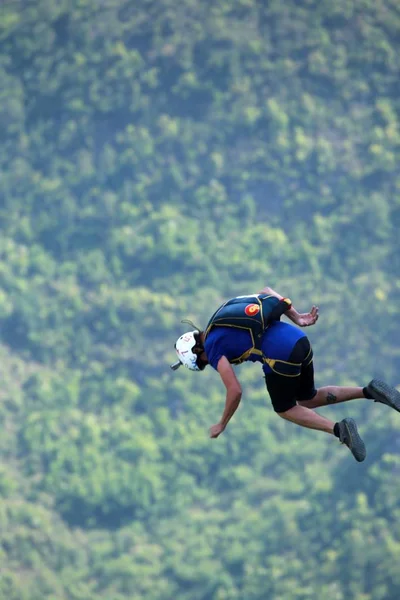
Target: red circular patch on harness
x=252 y=309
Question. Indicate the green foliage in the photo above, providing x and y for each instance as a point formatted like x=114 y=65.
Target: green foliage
x=156 y=158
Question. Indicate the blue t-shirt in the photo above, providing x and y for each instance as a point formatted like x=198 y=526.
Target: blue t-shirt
x=278 y=342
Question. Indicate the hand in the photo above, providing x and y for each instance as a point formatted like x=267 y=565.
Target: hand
x=216 y=430
x=307 y=319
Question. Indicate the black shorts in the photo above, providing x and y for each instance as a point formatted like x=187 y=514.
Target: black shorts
x=286 y=391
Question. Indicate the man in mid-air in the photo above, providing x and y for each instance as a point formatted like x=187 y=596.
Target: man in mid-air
x=248 y=328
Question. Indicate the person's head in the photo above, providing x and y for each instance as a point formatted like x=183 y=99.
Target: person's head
x=189 y=348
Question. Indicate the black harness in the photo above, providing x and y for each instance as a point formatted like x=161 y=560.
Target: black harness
x=254 y=314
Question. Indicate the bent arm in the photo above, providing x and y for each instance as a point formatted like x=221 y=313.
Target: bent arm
x=300 y=319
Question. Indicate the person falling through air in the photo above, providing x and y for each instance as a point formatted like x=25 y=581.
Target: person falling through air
x=248 y=328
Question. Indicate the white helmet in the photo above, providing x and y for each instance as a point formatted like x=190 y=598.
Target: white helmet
x=183 y=348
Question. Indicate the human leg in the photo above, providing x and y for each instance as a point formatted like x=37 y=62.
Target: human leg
x=305 y=417
x=283 y=392
x=310 y=397
x=345 y=430
x=329 y=395
x=376 y=390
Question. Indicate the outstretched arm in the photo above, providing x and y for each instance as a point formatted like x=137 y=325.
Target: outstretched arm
x=233 y=395
x=300 y=319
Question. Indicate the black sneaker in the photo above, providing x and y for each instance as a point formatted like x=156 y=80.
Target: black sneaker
x=384 y=393
x=349 y=435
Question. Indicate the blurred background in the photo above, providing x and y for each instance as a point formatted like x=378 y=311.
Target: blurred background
x=156 y=158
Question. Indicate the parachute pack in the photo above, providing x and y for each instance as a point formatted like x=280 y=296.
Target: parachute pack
x=253 y=313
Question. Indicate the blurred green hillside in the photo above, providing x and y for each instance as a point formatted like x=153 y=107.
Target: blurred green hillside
x=156 y=158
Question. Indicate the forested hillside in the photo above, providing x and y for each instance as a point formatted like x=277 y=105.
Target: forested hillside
x=157 y=157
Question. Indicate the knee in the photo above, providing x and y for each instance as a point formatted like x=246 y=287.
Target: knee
x=304 y=402
x=311 y=400
x=285 y=414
